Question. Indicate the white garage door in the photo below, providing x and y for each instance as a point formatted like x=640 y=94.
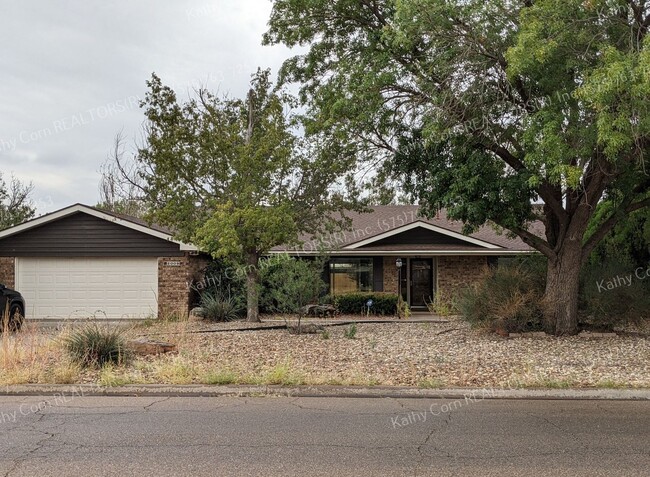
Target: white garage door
x=62 y=288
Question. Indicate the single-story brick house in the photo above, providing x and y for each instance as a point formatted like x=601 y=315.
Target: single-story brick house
x=434 y=254
x=80 y=262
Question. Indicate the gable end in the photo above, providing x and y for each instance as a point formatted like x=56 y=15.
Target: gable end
x=83 y=235
x=420 y=236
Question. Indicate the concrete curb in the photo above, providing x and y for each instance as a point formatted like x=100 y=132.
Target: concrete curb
x=326 y=391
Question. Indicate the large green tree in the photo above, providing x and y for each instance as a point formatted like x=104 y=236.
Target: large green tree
x=16 y=205
x=234 y=176
x=488 y=108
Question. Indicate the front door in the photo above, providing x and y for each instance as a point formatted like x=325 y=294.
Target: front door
x=421 y=282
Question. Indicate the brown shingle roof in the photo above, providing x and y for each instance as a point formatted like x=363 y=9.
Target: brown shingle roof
x=387 y=218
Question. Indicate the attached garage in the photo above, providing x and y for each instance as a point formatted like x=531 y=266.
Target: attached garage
x=81 y=262
x=64 y=288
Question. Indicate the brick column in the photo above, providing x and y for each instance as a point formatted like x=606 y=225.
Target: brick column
x=390 y=274
x=8 y=271
x=175 y=277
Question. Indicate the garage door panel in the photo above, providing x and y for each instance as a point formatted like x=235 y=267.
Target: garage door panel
x=77 y=279
x=46 y=278
x=131 y=295
x=63 y=295
x=62 y=288
x=77 y=294
x=96 y=295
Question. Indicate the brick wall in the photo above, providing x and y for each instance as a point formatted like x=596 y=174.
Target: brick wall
x=175 y=274
x=7 y=271
x=390 y=274
x=456 y=272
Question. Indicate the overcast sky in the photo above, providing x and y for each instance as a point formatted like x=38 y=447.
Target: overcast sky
x=72 y=73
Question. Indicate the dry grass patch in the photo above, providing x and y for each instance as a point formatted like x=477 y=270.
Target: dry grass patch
x=109 y=376
x=29 y=356
x=221 y=377
x=177 y=370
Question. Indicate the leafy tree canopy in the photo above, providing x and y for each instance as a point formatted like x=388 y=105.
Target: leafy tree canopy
x=234 y=176
x=488 y=107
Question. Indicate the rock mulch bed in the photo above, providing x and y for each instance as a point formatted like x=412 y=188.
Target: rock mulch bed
x=405 y=353
x=427 y=354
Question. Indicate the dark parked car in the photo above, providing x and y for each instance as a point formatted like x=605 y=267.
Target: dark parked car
x=13 y=302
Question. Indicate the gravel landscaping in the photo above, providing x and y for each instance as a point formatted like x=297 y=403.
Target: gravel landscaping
x=394 y=353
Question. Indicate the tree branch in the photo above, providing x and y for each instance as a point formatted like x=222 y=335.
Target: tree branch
x=506 y=156
x=545 y=191
x=531 y=239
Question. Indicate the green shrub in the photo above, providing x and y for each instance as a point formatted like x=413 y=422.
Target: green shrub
x=504 y=299
x=326 y=300
x=508 y=298
x=220 y=306
x=602 y=309
x=356 y=303
x=289 y=284
x=95 y=345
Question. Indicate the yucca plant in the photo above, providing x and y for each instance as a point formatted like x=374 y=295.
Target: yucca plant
x=94 y=346
x=220 y=306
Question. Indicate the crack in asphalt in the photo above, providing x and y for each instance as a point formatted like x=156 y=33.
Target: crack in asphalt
x=146 y=408
x=445 y=424
x=568 y=432
x=604 y=409
x=38 y=446
x=403 y=405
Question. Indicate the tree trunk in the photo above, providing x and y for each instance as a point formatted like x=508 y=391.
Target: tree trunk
x=252 y=285
x=562 y=287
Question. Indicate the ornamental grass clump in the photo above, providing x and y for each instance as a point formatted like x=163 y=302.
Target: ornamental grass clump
x=94 y=345
x=219 y=306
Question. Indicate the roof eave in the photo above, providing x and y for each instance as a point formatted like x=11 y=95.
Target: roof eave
x=405 y=252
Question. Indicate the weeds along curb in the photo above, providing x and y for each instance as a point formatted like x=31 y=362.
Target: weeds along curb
x=327 y=392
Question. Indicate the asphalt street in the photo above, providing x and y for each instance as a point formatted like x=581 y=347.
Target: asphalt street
x=191 y=436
